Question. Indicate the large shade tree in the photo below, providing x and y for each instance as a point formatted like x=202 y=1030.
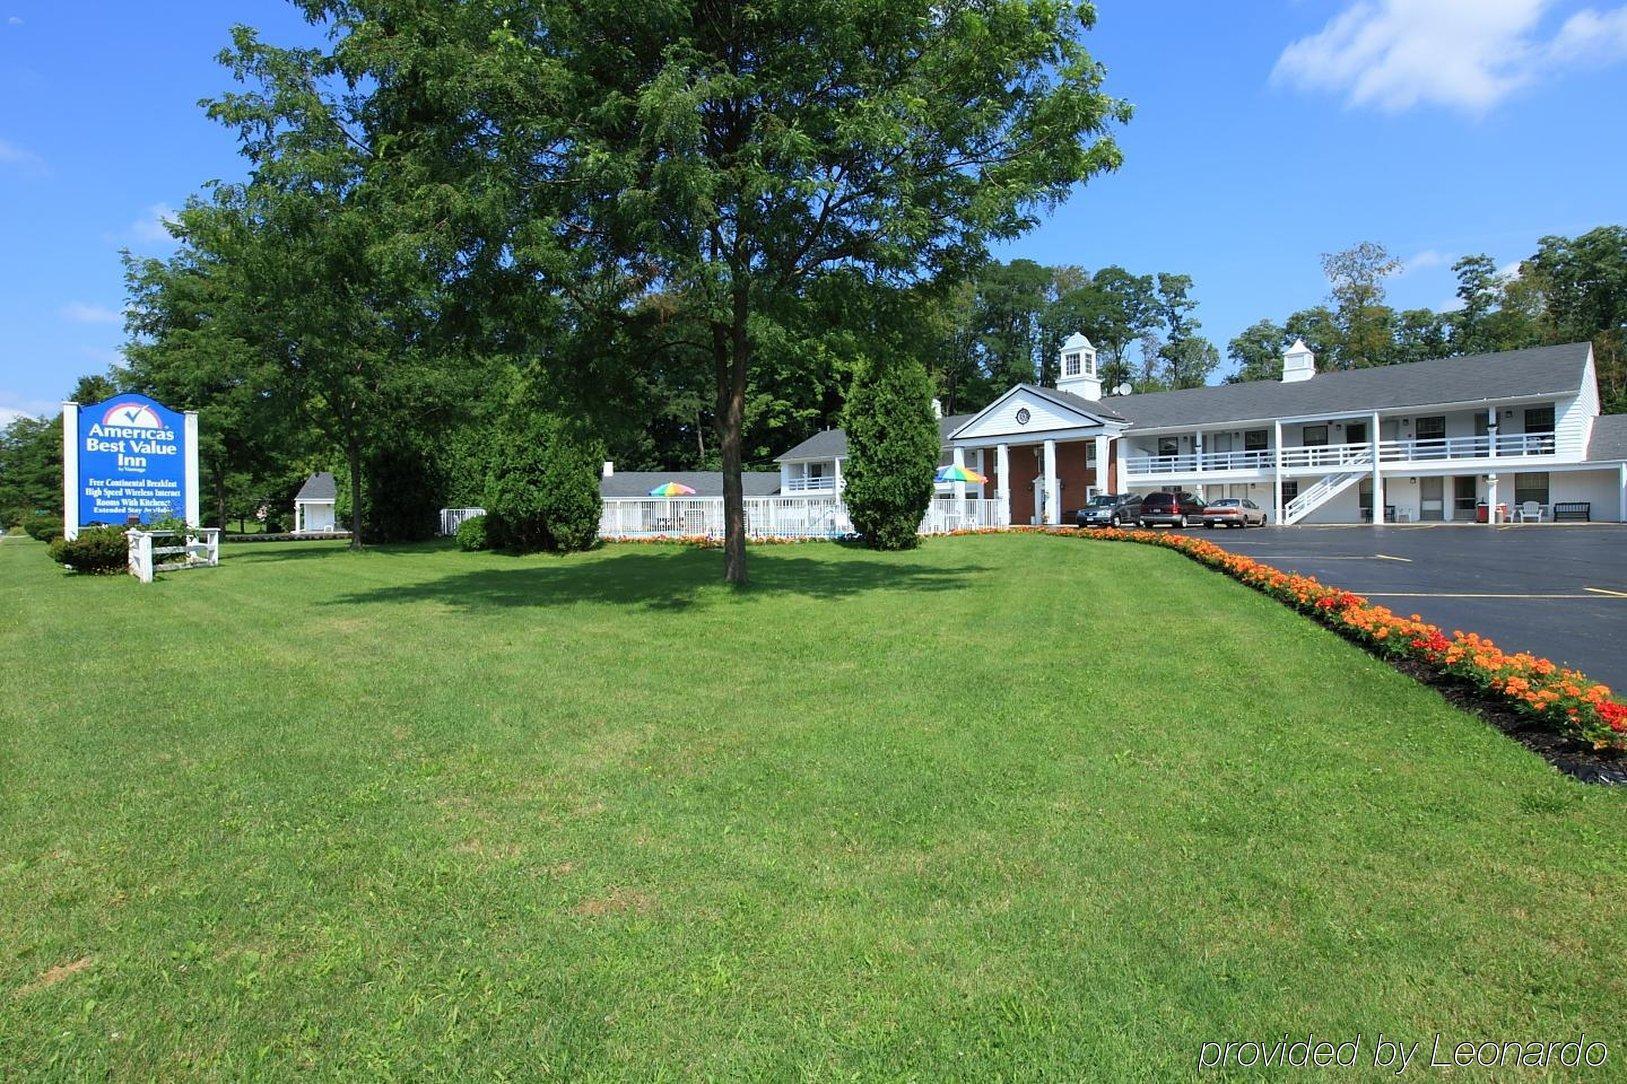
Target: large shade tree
x=728 y=155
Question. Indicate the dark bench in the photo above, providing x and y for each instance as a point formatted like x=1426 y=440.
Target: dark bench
x=1581 y=511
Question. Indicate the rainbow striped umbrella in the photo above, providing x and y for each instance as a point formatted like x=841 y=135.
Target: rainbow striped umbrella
x=672 y=489
x=953 y=473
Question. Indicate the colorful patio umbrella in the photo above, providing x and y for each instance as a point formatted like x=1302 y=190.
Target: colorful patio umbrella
x=960 y=474
x=672 y=489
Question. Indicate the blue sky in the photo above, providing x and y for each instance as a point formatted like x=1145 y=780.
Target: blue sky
x=1266 y=133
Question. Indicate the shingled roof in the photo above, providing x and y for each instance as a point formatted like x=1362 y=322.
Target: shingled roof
x=1471 y=378
x=705 y=483
x=1609 y=442
x=832 y=443
x=318 y=487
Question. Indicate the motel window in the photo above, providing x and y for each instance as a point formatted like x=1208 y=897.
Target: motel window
x=1090 y=453
x=1432 y=428
x=1539 y=419
x=1070 y=364
x=1169 y=446
x=1316 y=436
x=1290 y=490
x=1531 y=487
x=1256 y=440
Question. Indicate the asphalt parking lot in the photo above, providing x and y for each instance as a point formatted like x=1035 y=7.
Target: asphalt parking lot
x=1555 y=590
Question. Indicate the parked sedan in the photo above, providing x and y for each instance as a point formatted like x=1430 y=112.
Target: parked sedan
x=1109 y=510
x=1233 y=512
x=1169 y=510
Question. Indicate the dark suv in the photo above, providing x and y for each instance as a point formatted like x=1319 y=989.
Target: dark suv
x=1169 y=509
x=1109 y=510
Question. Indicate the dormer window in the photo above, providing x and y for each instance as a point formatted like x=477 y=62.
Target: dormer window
x=1071 y=364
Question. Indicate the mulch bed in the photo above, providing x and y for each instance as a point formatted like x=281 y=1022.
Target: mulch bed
x=1576 y=759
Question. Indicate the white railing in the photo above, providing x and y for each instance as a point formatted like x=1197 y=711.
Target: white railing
x=1256 y=459
x=772 y=517
x=1309 y=500
x=1481 y=447
x=199 y=548
x=452 y=518
x=1347 y=455
x=810 y=485
x=1328 y=455
x=946 y=514
x=702 y=517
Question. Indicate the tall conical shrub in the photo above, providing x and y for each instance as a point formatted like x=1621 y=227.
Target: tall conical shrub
x=892 y=448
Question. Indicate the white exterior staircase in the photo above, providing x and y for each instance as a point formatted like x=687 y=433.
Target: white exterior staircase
x=1325 y=489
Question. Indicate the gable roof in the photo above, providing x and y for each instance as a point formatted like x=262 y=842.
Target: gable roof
x=1471 y=378
x=832 y=443
x=705 y=483
x=1609 y=441
x=318 y=487
x=1100 y=408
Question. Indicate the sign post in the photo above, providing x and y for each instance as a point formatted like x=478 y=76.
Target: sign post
x=128 y=460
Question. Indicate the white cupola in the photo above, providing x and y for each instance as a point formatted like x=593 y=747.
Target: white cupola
x=1077 y=371
x=1298 y=363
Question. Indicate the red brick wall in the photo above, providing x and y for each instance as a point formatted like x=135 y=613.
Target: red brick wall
x=1072 y=475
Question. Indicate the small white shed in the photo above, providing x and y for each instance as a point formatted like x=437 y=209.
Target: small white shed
x=314 y=506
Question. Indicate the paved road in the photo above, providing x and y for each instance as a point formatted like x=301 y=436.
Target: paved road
x=1555 y=590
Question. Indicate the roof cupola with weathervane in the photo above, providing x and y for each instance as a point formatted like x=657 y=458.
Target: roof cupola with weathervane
x=1077 y=372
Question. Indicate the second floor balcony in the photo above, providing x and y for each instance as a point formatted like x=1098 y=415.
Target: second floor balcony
x=1345 y=456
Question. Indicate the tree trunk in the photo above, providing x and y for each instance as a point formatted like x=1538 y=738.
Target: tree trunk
x=220 y=499
x=353 y=456
x=732 y=353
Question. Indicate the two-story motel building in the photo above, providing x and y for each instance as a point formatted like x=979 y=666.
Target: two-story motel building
x=1439 y=440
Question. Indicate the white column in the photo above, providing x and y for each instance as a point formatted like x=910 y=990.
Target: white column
x=1276 y=470
x=1378 y=479
x=836 y=476
x=959 y=460
x=1197 y=450
x=1053 y=514
x=1621 y=476
x=191 y=451
x=1002 y=488
x=1104 y=484
x=1491 y=499
x=70 y=470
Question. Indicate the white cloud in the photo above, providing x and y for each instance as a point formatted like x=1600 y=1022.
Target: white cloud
x=81 y=312
x=1424 y=260
x=1464 y=54
x=1591 y=36
x=14 y=406
x=150 y=226
x=20 y=158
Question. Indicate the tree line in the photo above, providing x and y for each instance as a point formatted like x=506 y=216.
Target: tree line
x=1571 y=289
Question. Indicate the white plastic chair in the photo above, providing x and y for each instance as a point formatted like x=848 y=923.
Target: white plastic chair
x=1530 y=512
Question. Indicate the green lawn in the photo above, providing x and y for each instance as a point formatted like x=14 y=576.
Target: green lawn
x=1016 y=805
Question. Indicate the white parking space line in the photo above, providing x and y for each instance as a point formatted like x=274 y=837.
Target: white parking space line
x=1606 y=592
x=1487 y=594
x=1387 y=557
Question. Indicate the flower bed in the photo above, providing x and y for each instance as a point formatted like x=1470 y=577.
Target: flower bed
x=1566 y=701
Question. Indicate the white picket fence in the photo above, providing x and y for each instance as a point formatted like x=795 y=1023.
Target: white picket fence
x=771 y=517
x=452 y=518
x=197 y=547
